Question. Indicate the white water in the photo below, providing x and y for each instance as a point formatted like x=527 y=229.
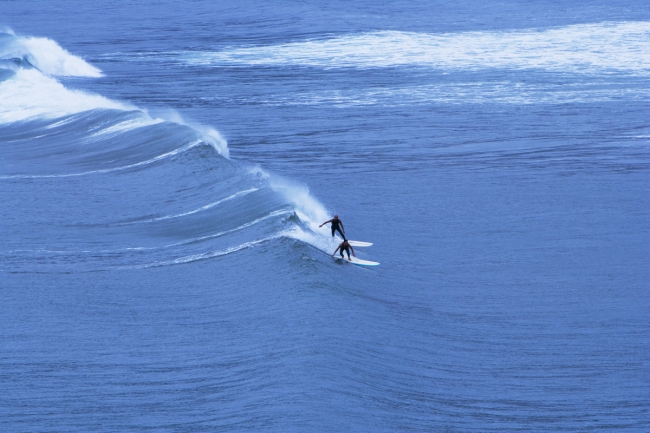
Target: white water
x=50 y=58
x=586 y=48
x=30 y=94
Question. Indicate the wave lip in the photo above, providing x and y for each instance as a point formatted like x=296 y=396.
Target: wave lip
x=28 y=87
x=30 y=91
x=46 y=55
x=585 y=48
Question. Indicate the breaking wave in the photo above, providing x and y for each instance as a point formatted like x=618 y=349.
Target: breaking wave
x=129 y=189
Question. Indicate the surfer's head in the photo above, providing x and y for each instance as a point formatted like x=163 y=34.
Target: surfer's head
x=336 y=217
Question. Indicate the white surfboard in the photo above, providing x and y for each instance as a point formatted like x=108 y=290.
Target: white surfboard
x=360 y=243
x=356 y=261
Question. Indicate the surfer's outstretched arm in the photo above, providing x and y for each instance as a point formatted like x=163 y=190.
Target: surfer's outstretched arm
x=337 y=248
x=325 y=223
x=352 y=249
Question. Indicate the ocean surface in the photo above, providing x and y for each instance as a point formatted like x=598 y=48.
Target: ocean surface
x=165 y=166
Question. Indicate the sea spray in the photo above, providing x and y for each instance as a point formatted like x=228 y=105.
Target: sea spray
x=209 y=134
x=310 y=212
x=45 y=55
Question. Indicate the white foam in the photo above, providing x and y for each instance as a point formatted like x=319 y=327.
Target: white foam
x=213 y=138
x=321 y=241
x=308 y=209
x=30 y=94
x=585 y=48
x=33 y=94
x=50 y=58
x=210 y=135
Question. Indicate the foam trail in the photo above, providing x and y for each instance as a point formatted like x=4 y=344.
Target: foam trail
x=177 y=244
x=241 y=227
x=584 y=48
x=210 y=255
x=202 y=208
x=462 y=92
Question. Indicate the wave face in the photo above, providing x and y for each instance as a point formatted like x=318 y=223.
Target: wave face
x=111 y=154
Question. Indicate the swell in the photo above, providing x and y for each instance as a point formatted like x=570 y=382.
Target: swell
x=156 y=194
x=94 y=141
x=92 y=184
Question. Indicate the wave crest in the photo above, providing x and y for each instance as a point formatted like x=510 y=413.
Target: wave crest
x=50 y=58
x=29 y=94
x=45 y=55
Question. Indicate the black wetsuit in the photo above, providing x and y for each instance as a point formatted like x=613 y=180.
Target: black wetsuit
x=346 y=249
x=336 y=227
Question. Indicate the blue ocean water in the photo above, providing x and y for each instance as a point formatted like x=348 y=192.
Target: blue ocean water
x=164 y=168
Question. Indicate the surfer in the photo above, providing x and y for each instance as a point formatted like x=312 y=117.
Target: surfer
x=344 y=246
x=337 y=225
